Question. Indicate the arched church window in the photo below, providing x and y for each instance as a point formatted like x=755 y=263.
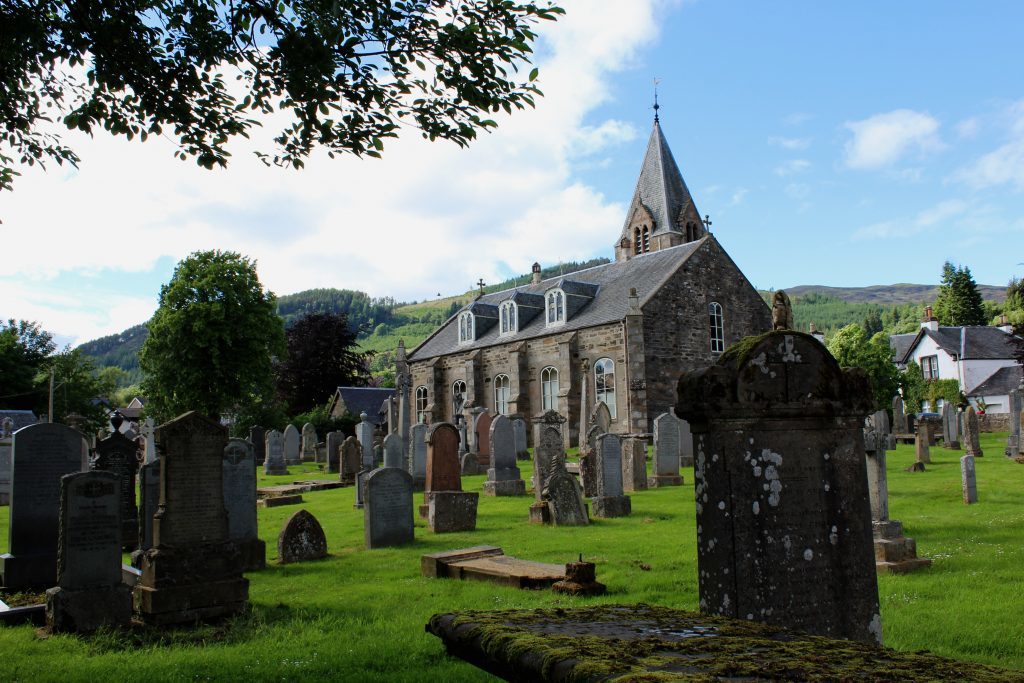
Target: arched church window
x=637 y=242
x=467 y=328
x=502 y=388
x=508 y=318
x=458 y=398
x=604 y=383
x=556 y=307
x=646 y=239
x=549 y=389
x=421 y=405
x=717 y=327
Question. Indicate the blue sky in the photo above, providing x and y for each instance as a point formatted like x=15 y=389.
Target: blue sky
x=842 y=144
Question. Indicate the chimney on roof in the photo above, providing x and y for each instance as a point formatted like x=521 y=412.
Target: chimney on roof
x=536 y=273
x=930 y=321
x=634 y=302
x=1004 y=324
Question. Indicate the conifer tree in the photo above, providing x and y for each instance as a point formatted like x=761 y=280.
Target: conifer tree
x=959 y=302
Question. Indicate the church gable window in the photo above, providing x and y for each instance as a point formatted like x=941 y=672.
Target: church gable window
x=421 y=404
x=467 y=328
x=604 y=383
x=717 y=327
x=458 y=398
x=549 y=389
x=502 y=389
x=645 y=239
x=555 y=307
x=509 y=323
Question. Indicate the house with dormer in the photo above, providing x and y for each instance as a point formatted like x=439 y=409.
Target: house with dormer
x=618 y=334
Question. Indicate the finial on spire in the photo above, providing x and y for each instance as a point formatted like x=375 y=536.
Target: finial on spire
x=656 y=105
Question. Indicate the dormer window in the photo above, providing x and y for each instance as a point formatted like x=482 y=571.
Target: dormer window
x=467 y=328
x=509 y=322
x=555 y=307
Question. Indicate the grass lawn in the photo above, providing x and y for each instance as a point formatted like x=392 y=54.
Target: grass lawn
x=359 y=615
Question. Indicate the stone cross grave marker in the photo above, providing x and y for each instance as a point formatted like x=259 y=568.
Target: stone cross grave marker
x=292 y=445
x=275 y=462
x=388 y=514
x=120 y=456
x=364 y=434
x=332 y=446
x=393 y=453
x=968 y=479
x=972 y=433
x=258 y=439
x=89 y=592
x=610 y=499
x=418 y=455
x=519 y=436
x=448 y=507
x=503 y=477
x=41 y=454
x=239 y=466
x=309 y=440
x=301 y=539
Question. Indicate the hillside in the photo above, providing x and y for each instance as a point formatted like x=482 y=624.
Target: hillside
x=889 y=294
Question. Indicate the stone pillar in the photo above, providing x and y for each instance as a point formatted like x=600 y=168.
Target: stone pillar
x=968 y=479
x=921 y=448
x=636 y=368
x=972 y=433
x=567 y=382
x=1013 y=441
x=585 y=401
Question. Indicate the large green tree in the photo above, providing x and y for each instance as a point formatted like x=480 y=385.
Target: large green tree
x=959 y=301
x=213 y=339
x=78 y=388
x=852 y=348
x=24 y=347
x=344 y=74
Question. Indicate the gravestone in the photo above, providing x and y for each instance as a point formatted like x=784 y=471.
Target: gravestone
x=301 y=539
x=393 y=452
x=972 y=434
x=482 y=431
x=120 y=456
x=5 y=470
x=148 y=434
x=387 y=513
x=309 y=441
x=634 y=463
x=922 y=453
x=968 y=479
x=40 y=455
x=503 y=477
x=239 y=471
x=333 y=452
x=899 y=417
x=1013 y=439
x=519 y=436
x=547 y=447
x=364 y=434
x=463 y=436
x=950 y=427
x=610 y=499
x=784 y=532
x=351 y=459
x=258 y=437
x=564 y=498
x=601 y=417
x=194 y=570
x=418 y=455
x=666 y=452
x=685 y=444
x=149 y=502
x=275 y=462
x=89 y=593
x=292 y=445
x=448 y=507
x=588 y=462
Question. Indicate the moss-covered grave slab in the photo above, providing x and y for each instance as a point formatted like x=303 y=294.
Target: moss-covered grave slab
x=648 y=643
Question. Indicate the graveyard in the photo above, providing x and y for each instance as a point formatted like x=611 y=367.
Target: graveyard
x=360 y=614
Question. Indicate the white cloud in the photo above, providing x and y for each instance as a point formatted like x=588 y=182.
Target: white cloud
x=792 y=166
x=1005 y=164
x=933 y=217
x=790 y=143
x=968 y=128
x=884 y=139
x=940 y=213
x=428 y=217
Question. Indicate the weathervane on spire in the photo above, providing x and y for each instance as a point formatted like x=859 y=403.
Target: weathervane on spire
x=656 y=105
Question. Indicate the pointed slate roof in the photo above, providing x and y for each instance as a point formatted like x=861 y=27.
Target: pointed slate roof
x=660 y=187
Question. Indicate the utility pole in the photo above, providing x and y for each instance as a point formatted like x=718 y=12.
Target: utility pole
x=51 y=394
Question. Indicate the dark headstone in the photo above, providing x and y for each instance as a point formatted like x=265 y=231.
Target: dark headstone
x=610 y=500
x=257 y=437
x=89 y=592
x=634 y=464
x=519 y=435
x=446 y=506
x=783 y=516
x=149 y=502
x=449 y=511
x=968 y=479
x=482 y=425
x=503 y=477
x=120 y=456
x=332 y=447
x=972 y=433
x=350 y=458
x=565 y=500
x=5 y=470
x=240 y=502
x=418 y=455
x=275 y=462
x=666 y=452
x=301 y=539
x=387 y=511
x=41 y=454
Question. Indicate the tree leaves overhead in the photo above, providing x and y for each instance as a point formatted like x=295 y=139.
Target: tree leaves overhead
x=347 y=72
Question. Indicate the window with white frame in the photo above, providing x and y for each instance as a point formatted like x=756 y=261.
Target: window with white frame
x=717 y=327
x=549 y=389
x=930 y=367
x=421 y=404
x=502 y=389
x=556 y=307
x=604 y=383
x=507 y=314
x=458 y=398
x=467 y=328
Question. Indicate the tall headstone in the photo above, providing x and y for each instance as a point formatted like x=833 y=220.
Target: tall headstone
x=351 y=458
x=503 y=477
x=387 y=512
x=899 y=417
x=394 y=455
x=1013 y=439
x=89 y=593
x=588 y=462
x=258 y=439
x=968 y=479
x=564 y=498
x=519 y=436
x=120 y=456
x=634 y=463
x=5 y=470
x=610 y=499
x=292 y=445
x=463 y=436
x=601 y=417
x=547 y=447
x=472 y=440
x=418 y=455
x=364 y=434
x=193 y=571
x=309 y=441
x=685 y=444
x=275 y=462
x=239 y=466
x=784 y=532
x=41 y=454
x=332 y=446
x=448 y=507
x=149 y=502
x=922 y=451
x=972 y=433
x=950 y=427
x=148 y=434
x=666 y=452
x=482 y=428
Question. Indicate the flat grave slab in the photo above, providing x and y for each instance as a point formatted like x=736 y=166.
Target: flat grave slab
x=489 y=563
x=280 y=490
x=320 y=484
x=644 y=642
x=278 y=501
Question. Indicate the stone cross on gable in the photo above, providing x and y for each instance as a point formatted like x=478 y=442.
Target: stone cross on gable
x=707 y=221
x=480 y=283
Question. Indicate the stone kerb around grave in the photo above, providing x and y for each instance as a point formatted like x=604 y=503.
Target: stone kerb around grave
x=503 y=477
x=448 y=507
x=783 y=518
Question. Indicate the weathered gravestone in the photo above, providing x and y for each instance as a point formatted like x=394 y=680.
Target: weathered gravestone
x=393 y=452
x=482 y=430
x=968 y=479
x=89 y=593
x=950 y=427
x=448 y=507
x=364 y=434
x=41 y=454
x=610 y=499
x=519 y=436
x=784 y=530
x=292 y=445
x=418 y=455
x=666 y=452
x=258 y=439
x=634 y=463
x=547 y=446
x=275 y=463
x=922 y=452
x=387 y=514
x=194 y=570
x=503 y=477
x=119 y=456
x=588 y=462
x=685 y=443
x=148 y=434
x=332 y=447
x=301 y=539
x=899 y=416
x=601 y=417
x=149 y=502
x=239 y=466
x=972 y=433
x=5 y=470
x=1014 y=445
x=309 y=441
x=350 y=458
x=564 y=498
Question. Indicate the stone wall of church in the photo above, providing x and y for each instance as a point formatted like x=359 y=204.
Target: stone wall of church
x=677 y=328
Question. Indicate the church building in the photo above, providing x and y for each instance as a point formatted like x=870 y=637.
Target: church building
x=619 y=333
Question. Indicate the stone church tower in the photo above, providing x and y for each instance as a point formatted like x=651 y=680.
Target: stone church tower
x=662 y=213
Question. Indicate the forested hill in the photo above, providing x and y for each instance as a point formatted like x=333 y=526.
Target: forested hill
x=889 y=294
